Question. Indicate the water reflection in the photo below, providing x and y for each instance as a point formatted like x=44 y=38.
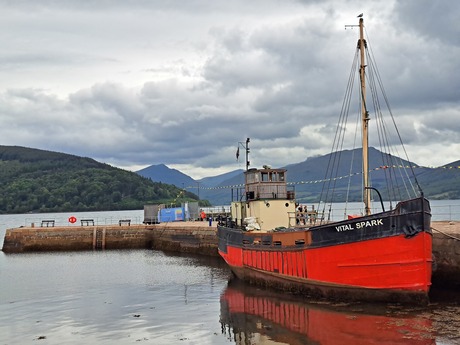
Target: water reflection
x=253 y=316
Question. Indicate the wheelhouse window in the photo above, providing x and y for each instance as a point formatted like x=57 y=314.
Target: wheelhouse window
x=265 y=177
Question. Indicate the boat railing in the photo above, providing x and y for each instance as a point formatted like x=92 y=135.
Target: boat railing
x=266 y=192
x=270 y=192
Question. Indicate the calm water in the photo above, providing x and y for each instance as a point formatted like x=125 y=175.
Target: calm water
x=146 y=296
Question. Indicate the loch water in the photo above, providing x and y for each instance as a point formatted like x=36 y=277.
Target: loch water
x=153 y=297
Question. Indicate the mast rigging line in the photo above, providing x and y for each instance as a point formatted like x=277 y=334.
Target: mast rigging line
x=387 y=103
x=411 y=167
x=396 y=186
x=339 y=138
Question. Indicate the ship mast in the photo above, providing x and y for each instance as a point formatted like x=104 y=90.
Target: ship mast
x=365 y=120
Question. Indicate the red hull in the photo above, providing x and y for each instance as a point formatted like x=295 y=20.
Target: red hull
x=393 y=268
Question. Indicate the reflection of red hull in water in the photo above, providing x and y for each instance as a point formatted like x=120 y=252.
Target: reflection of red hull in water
x=283 y=320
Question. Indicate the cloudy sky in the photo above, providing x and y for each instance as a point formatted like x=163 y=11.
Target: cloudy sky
x=139 y=82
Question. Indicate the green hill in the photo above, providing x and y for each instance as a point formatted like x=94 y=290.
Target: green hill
x=33 y=180
x=443 y=182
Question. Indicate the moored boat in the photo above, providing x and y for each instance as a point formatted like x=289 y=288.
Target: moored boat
x=382 y=256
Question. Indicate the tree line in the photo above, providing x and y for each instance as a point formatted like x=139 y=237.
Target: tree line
x=34 y=180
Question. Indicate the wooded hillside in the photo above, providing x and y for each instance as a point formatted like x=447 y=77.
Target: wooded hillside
x=33 y=180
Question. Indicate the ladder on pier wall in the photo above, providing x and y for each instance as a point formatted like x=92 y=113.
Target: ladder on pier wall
x=99 y=239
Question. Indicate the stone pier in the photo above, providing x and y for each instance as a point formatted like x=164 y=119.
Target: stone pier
x=446 y=252
x=191 y=237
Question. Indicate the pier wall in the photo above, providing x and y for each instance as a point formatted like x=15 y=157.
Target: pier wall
x=29 y=239
x=177 y=236
x=446 y=253
x=180 y=237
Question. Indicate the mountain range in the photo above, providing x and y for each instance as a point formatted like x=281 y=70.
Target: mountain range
x=35 y=180
x=436 y=183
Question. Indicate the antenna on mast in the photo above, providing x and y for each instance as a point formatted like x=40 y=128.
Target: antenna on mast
x=245 y=146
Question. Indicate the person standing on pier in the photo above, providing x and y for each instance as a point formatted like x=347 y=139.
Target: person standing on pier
x=202 y=215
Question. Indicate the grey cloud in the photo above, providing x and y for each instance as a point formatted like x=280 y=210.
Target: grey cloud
x=220 y=74
x=433 y=19
x=201 y=6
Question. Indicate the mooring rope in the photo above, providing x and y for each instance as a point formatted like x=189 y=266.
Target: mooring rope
x=446 y=234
